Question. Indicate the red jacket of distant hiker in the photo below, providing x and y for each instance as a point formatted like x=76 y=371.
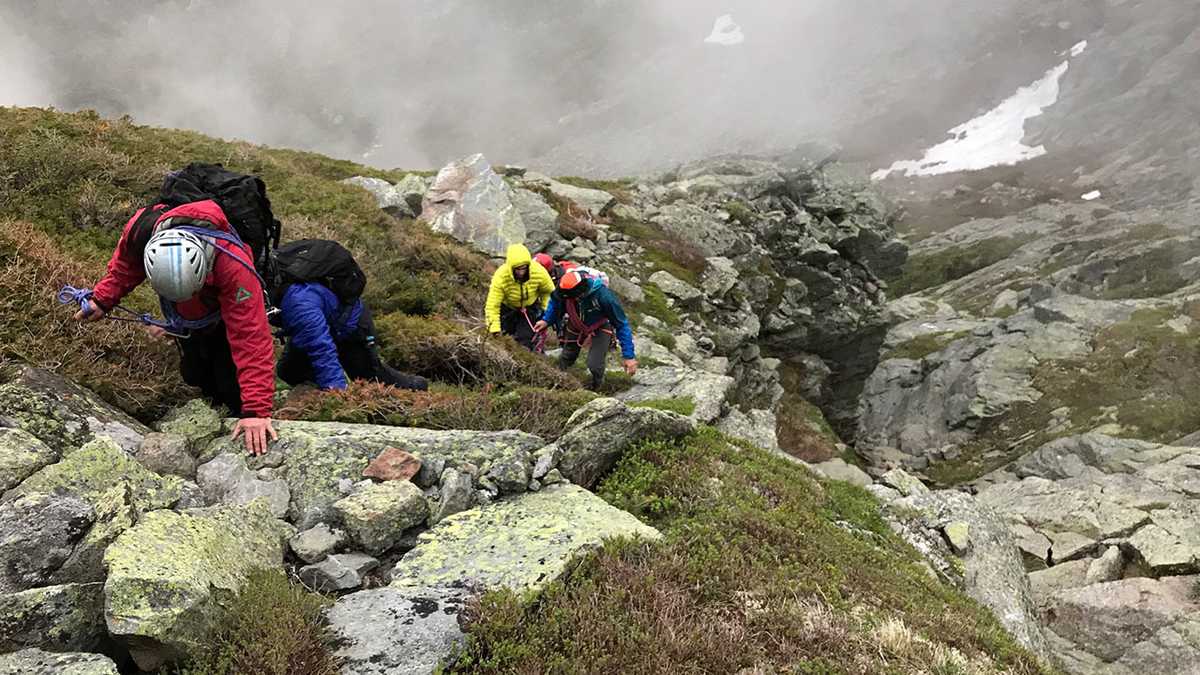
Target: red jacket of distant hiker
x=231 y=288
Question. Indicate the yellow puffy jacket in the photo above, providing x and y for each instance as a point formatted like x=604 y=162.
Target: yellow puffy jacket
x=506 y=291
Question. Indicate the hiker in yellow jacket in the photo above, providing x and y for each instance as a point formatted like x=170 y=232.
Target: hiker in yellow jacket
x=519 y=293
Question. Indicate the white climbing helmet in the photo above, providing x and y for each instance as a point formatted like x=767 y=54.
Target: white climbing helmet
x=177 y=262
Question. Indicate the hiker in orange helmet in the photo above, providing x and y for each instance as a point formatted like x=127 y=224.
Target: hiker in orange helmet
x=593 y=315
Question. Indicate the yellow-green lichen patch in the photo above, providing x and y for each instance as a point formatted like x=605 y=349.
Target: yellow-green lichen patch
x=33 y=413
x=68 y=617
x=377 y=515
x=520 y=544
x=170 y=575
x=21 y=454
x=93 y=470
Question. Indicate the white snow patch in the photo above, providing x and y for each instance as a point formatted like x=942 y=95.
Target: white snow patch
x=1079 y=48
x=992 y=139
x=1091 y=196
x=726 y=32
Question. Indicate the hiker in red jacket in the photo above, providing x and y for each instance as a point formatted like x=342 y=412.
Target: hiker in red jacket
x=209 y=291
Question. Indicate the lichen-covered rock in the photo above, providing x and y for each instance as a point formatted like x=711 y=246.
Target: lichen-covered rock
x=38 y=662
x=390 y=630
x=64 y=618
x=227 y=480
x=313 y=544
x=756 y=427
x=377 y=515
x=519 y=543
x=169 y=575
x=839 y=469
x=1111 y=621
x=315 y=457
x=194 y=420
x=167 y=454
x=338 y=572
x=473 y=204
x=687 y=294
x=541 y=220
x=601 y=431
x=457 y=495
x=93 y=470
x=511 y=474
x=387 y=196
x=62 y=414
x=708 y=391
x=21 y=454
x=989 y=566
x=595 y=201
x=38 y=534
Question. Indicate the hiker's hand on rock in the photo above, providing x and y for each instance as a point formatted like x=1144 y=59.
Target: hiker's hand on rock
x=93 y=313
x=631 y=367
x=539 y=326
x=157 y=332
x=256 y=430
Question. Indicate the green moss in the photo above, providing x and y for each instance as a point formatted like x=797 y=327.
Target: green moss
x=1142 y=376
x=800 y=426
x=664 y=251
x=740 y=213
x=930 y=270
x=754 y=546
x=683 y=406
x=924 y=345
x=656 y=305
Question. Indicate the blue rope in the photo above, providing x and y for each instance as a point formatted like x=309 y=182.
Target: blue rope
x=70 y=295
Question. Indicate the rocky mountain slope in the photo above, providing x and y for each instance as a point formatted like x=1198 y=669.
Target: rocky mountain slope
x=1042 y=358
x=461 y=524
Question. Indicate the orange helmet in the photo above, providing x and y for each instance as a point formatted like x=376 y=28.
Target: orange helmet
x=544 y=260
x=573 y=283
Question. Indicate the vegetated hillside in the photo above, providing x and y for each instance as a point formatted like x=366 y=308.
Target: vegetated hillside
x=762 y=566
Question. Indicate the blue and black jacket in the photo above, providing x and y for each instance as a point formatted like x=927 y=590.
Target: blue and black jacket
x=315 y=320
x=597 y=305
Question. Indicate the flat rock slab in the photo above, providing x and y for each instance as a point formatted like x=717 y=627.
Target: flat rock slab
x=313 y=457
x=38 y=662
x=522 y=543
x=396 y=631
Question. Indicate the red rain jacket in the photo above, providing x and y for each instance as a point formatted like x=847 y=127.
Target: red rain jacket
x=231 y=288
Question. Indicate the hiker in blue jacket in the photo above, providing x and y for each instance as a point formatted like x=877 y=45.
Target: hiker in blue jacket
x=593 y=315
x=328 y=341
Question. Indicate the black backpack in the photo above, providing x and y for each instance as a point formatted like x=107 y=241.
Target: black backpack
x=243 y=198
x=317 y=260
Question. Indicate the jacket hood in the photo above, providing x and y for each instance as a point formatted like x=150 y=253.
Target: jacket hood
x=517 y=255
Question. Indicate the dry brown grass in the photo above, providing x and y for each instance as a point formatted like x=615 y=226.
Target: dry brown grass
x=117 y=360
x=449 y=351
x=537 y=411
